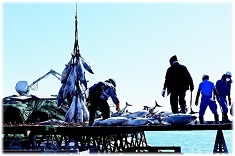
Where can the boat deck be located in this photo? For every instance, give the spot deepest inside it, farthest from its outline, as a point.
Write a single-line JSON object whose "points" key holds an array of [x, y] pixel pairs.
{"points": [[105, 139]]}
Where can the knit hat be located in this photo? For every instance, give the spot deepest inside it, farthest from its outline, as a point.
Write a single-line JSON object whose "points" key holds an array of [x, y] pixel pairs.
{"points": [[173, 59]]}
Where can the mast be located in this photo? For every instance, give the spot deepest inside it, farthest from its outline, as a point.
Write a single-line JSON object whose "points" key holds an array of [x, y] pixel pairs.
{"points": [[76, 51]]}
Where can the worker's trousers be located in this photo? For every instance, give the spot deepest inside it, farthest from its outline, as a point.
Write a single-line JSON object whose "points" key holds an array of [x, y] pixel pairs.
{"points": [[224, 105], [178, 98], [205, 102], [98, 104]]}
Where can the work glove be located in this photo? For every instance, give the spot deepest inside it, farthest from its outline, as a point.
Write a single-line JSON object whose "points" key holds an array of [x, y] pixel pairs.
{"points": [[118, 108], [163, 93], [229, 101]]}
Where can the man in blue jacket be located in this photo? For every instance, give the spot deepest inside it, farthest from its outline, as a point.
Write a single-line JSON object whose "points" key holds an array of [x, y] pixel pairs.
{"points": [[208, 90], [98, 96], [223, 87], [177, 82]]}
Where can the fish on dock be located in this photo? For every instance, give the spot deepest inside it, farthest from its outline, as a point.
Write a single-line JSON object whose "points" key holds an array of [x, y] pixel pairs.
{"points": [[162, 114], [141, 113], [179, 119], [113, 121], [121, 112], [138, 121]]}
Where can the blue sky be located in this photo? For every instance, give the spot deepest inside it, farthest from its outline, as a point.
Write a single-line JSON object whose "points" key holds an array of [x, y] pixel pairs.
{"points": [[130, 42]]}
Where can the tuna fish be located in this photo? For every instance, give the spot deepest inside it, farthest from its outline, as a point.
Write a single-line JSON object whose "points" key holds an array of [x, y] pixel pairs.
{"points": [[121, 112], [81, 72], [85, 110], [113, 121], [97, 121], [79, 111], [179, 119], [86, 66], [151, 111], [70, 84], [162, 114], [70, 114], [157, 122], [157, 105], [64, 108], [60, 97], [138, 121], [141, 113], [66, 72]]}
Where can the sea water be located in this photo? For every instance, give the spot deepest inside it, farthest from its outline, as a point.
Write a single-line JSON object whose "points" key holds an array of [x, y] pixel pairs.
{"points": [[191, 142]]}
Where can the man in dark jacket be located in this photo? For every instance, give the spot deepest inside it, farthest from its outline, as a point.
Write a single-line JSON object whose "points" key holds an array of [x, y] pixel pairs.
{"points": [[177, 82], [98, 96]]}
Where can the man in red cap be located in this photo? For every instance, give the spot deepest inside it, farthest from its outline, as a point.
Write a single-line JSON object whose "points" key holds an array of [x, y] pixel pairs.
{"points": [[177, 82]]}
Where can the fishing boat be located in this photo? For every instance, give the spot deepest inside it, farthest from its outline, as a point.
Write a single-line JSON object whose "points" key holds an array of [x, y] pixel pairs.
{"points": [[51, 124]]}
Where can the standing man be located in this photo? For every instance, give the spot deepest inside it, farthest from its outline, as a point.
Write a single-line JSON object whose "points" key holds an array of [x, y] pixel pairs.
{"points": [[207, 89], [177, 82], [98, 96], [223, 87]]}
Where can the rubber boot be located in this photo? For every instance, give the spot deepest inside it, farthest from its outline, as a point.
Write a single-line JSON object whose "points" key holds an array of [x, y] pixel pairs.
{"points": [[90, 123], [201, 119], [216, 116], [225, 118]]}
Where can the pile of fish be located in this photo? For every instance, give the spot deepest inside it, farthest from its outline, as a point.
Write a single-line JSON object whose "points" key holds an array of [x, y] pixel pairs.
{"points": [[74, 85], [123, 118], [145, 117]]}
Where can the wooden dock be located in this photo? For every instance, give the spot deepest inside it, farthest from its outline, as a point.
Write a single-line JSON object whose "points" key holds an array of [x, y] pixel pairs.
{"points": [[103, 139]]}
